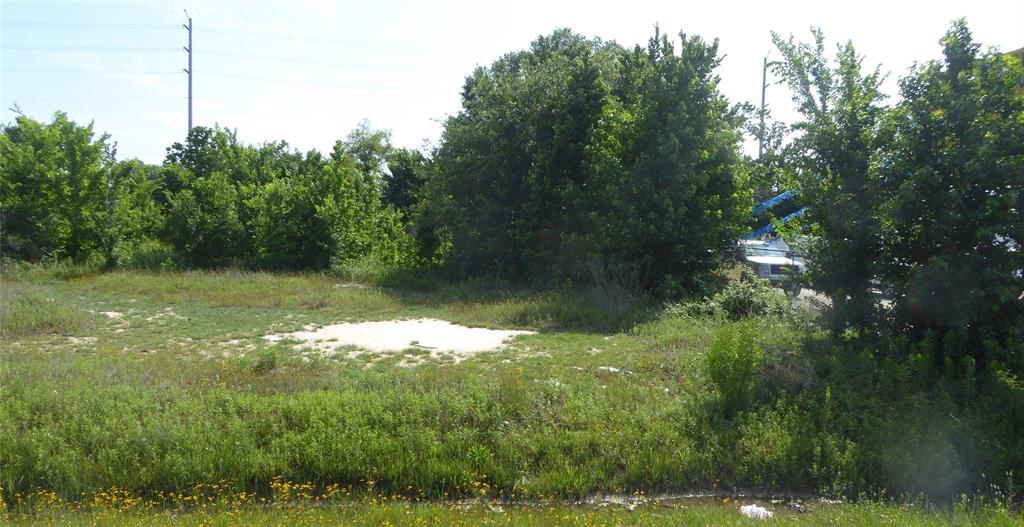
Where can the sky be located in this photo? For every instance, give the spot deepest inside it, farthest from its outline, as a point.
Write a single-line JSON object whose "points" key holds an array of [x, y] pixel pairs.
{"points": [[308, 71]]}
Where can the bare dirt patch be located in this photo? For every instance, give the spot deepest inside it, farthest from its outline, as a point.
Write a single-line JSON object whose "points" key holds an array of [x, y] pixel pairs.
{"points": [[436, 338]]}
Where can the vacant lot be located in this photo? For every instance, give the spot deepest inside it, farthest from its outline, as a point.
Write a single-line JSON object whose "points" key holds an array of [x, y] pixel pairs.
{"points": [[128, 391]]}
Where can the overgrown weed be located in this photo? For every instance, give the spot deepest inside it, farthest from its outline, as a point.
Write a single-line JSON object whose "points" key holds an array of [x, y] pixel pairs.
{"points": [[25, 312]]}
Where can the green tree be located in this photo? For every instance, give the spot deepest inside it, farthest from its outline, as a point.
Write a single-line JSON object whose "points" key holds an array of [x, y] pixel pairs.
{"points": [[203, 223], [370, 149], [359, 223], [577, 153], [407, 169], [208, 150], [841, 107], [268, 205], [54, 180], [133, 217], [285, 229], [953, 172], [322, 215], [680, 205]]}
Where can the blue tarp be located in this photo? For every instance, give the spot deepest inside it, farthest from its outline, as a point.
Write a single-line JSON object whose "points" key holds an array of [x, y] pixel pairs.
{"points": [[757, 233], [771, 202]]}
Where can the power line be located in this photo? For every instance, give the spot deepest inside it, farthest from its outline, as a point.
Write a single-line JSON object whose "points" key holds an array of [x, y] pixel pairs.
{"points": [[20, 69], [322, 40], [362, 87], [87, 48], [115, 3], [234, 54], [239, 76], [298, 60], [84, 25], [235, 32], [56, 99]]}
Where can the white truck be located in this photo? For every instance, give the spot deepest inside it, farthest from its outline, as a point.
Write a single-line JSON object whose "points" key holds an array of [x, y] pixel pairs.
{"points": [[774, 260]]}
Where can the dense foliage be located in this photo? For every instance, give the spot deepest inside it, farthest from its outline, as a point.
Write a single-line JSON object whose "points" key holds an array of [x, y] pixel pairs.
{"points": [[953, 214], [62, 194], [743, 298], [214, 202], [577, 153], [922, 200], [841, 107]]}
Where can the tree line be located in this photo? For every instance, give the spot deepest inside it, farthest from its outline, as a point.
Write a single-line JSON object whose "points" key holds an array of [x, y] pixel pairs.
{"points": [[579, 158], [214, 202]]}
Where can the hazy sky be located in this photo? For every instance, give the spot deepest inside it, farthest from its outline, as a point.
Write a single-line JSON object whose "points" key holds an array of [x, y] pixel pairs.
{"points": [[308, 71]]}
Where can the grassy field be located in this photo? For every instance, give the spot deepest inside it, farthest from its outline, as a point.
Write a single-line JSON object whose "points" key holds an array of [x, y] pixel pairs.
{"points": [[377, 512], [159, 384]]}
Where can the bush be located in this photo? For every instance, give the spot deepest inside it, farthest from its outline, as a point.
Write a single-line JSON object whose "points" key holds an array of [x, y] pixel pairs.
{"points": [[152, 255], [266, 361], [286, 231], [50, 269], [730, 363], [203, 222], [746, 297], [617, 286]]}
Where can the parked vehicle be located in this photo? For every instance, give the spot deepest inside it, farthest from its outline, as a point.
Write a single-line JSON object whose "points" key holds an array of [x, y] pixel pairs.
{"points": [[774, 260]]}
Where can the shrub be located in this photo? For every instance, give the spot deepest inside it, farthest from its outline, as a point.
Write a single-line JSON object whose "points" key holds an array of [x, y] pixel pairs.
{"points": [[287, 232], [617, 285], [266, 361], [730, 363], [747, 297], [146, 254], [203, 222]]}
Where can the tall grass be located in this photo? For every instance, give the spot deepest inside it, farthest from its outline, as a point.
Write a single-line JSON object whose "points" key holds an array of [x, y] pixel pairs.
{"points": [[26, 313], [568, 413]]}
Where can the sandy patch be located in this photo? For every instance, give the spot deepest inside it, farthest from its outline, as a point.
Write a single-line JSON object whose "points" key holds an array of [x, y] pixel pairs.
{"points": [[164, 313], [435, 338]]}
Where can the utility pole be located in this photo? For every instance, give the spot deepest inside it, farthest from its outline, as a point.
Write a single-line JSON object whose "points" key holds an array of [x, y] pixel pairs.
{"points": [[189, 70], [764, 88]]}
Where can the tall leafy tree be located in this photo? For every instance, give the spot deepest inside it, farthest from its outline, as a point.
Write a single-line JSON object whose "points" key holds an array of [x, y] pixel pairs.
{"points": [[54, 179], [680, 204], [841, 107], [208, 150], [203, 222], [133, 216], [370, 149], [359, 223], [953, 172], [407, 169], [578, 152]]}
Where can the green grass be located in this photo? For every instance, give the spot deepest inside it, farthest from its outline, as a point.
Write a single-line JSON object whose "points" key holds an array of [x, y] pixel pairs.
{"points": [[25, 311], [164, 382], [382, 512]]}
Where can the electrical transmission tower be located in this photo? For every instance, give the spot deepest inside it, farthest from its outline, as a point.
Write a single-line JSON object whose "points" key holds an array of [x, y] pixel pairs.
{"points": [[189, 70]]}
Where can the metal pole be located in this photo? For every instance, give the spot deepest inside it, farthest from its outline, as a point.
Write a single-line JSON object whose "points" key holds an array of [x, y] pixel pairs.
{"points": [[189, 70], [764, 87]]}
